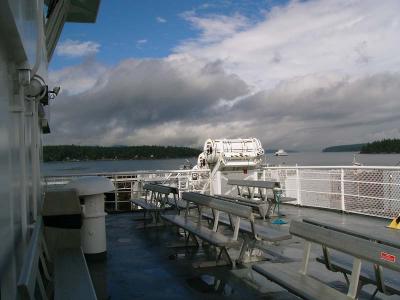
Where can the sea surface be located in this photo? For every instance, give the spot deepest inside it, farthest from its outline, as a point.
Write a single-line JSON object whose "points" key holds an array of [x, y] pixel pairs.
{"points": [[300, 158]]}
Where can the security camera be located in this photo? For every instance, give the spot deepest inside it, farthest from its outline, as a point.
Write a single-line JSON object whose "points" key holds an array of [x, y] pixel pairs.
{"points": [[56, 90]]}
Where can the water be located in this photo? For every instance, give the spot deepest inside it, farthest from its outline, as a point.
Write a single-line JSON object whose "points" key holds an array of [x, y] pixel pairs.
{"points": [[301, 159], [333, 159]]}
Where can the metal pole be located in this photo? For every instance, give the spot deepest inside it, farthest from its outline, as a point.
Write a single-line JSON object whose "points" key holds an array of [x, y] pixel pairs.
{"points": [[343, 207], [115, 193], [298, 186]]}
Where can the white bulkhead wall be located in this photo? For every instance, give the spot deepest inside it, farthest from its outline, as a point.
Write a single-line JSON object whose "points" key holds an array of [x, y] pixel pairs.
{"points": [[20, 141], [21, 51]]}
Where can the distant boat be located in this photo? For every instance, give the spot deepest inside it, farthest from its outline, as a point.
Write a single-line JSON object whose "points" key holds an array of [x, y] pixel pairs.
{"points": [[355, 162], [281, 152]]}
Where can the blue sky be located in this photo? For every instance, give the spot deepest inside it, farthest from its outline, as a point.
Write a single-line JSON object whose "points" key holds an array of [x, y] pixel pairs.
{"points": [[295, 74], [149, 29]]}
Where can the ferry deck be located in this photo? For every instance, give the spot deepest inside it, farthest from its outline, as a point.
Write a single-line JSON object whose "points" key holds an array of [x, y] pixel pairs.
{"points": [[140, 263]]}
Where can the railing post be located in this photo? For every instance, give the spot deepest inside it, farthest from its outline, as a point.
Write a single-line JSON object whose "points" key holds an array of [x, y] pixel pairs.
{"points": [[298, 187], [342, 207], [115, 193], [132, 190]]}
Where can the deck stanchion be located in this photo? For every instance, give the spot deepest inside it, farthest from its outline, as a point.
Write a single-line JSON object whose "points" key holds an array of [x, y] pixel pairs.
{"points": [[343, 207], [115, 193], [298, 186]]}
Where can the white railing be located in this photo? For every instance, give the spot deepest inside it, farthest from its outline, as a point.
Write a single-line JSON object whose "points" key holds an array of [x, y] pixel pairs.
{"points": [[373, 191], [129, 185]]}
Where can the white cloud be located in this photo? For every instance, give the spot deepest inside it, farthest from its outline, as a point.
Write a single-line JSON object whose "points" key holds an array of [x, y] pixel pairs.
{"points": [[213, 28], [342, 37], [161, 20], [78, 79], [140, 43], [74, 48], [309, 75]]}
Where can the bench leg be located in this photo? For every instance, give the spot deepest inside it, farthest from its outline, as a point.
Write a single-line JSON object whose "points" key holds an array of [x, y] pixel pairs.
{"points": [[193, 238], [248, 245], [185, 243], [42, 289], [243, 249], [227, 256], [355, 276], [217, 262], [268, 214], [346, 278], [263, 210], [374, 294]]}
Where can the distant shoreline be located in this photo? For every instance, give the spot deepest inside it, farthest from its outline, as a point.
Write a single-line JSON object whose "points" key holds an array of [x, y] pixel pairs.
{"points": [[386, 146], [127, 159], [74, 153]]}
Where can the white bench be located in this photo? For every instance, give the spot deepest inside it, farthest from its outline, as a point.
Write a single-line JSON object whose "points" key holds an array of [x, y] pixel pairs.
{"points": [[195, 227], [157, 202], [361, 250], [70, 278], [386, 281], [258, 194]]}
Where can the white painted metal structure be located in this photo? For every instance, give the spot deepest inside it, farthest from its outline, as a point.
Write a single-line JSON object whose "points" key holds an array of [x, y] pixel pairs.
{"points": [[234, 153], [224, 155], [27, 38], [371, 191], [91, 190], [129, 185]]}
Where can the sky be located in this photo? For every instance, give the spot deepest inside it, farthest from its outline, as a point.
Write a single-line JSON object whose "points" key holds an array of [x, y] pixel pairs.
{"points": [[299, 75]]}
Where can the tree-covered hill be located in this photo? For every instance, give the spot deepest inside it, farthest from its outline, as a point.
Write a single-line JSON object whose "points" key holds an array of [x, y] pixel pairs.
{"points": [[73, 152], [384, 146], [344, 148]]}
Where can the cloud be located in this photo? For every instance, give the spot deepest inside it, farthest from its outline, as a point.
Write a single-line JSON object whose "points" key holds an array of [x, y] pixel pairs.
{"points": [[344, 37], [137, 95], [161, 20], [213, 28], [140, 43], [80, 78], [309, 75], [74, 48]]}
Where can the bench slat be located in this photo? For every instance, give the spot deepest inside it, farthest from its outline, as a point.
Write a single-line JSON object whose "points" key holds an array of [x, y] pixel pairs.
{"points": [[146, 205], [265, 233], [241, 200], [215, 238], [383, 255], [68, 286], [161, 188], [254, 183], [301, 285], [180, 203], [344, 263], [221, 205], [393, 241]]}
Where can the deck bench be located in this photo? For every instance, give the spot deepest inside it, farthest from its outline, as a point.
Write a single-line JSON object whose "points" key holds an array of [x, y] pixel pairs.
{"points": [[71, 276], [157, 202], [257, 194], [195, 227], [361, 250], [264, 231], [386, 281], [69, 279]]}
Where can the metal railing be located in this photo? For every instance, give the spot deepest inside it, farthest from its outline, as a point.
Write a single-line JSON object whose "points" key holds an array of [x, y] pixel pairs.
{"points": [[373, 191], [129, 185]]}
